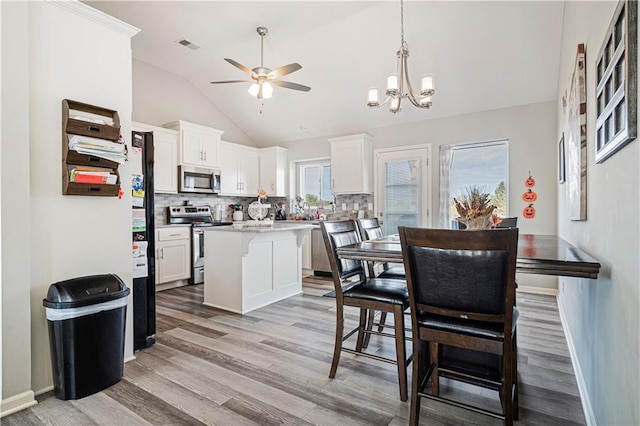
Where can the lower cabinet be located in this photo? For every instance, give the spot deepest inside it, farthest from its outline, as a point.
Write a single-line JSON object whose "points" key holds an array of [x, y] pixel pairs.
{"points": [[173, 254]]}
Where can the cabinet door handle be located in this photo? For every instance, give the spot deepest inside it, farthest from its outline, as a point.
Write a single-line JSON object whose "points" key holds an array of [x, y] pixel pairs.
{"points": [[334, 183], [162, 253], [174, 235], [272, 186], [205, 155]]}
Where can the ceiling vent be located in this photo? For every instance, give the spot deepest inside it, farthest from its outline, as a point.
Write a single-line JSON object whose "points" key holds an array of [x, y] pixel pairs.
{"points": [[189, 44]]}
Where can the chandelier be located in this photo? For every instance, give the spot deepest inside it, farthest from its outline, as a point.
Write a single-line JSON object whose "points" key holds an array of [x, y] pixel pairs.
{"points": [[396, 82]]}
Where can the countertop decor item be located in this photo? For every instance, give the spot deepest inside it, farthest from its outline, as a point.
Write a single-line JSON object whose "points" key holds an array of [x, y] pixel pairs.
{"points": [[395, 82]]}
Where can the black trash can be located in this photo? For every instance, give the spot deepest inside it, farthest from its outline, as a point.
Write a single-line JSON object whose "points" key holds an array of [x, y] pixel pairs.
{"points": [[86, 317]]}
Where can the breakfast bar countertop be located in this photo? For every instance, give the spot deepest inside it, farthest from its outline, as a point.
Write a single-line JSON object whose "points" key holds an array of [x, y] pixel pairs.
{"points": [[250, 226]]}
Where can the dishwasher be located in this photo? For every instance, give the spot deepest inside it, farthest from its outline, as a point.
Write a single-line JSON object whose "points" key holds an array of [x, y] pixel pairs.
{"points": [[319, 259]]}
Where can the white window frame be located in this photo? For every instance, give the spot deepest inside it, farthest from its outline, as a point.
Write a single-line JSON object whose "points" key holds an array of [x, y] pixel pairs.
{"points": [[469, 145], [300, 183]]}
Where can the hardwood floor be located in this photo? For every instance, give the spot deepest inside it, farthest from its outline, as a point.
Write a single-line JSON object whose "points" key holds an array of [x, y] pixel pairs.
{"points": [[271, 366]]}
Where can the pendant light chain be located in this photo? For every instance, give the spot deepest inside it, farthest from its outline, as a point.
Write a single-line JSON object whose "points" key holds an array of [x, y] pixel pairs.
{"points": [[402, 43]]}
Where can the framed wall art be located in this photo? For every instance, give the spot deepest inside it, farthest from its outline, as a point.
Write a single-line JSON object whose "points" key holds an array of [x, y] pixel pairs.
{"points": [[561, 161], [616, 77], [575, 138]]}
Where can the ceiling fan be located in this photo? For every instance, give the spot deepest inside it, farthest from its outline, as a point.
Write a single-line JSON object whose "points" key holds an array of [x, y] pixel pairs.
{"points": [[262, 77]]}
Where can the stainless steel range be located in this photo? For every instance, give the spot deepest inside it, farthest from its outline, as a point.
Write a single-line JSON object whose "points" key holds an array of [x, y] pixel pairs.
{"points": [[198, 217]]}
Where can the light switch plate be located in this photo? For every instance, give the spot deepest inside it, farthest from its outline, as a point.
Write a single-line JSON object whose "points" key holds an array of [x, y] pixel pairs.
{"points": [[356, 206], [344, 206], [369, 206]]}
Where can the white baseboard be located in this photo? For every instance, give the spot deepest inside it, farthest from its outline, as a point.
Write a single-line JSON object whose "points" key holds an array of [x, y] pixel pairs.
{"points": [[582, 386], [538, 290], [44, 390], [131, 358], [16, 403]]}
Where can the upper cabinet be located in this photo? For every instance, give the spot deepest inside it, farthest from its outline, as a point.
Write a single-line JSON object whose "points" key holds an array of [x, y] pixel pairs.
{"points": [[273, 171], [165, 150], [198, 145], [239, 169], [351, 164]]}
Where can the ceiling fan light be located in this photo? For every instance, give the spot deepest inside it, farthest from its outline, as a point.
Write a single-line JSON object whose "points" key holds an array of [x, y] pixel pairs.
{"points": [[254, 89], [267, 90]]}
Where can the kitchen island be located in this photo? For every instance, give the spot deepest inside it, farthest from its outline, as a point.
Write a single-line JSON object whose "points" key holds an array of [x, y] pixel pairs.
{"points": [[249, 266]]}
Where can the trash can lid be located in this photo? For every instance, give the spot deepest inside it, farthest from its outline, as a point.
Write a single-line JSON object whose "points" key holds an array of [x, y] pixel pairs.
{"points": [[83, 291]]}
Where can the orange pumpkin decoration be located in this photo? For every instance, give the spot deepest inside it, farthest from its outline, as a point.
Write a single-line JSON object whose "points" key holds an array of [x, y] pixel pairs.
{"points": [[529, 196], [529, 212], [530, 182]]}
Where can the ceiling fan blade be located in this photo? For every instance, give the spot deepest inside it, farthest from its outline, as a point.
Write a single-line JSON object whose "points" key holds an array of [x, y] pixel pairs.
{"points": [[231, 81], [281, 71], [289, 85], [240, 66]]}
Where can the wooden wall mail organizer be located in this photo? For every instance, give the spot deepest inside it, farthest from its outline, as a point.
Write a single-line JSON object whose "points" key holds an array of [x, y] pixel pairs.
{"points": [[70, 158]]}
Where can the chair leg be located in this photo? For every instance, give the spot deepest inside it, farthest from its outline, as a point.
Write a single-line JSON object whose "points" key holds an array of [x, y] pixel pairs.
{"points": [[433, 358], [507, 388], [361, 328], [516, 404], [337, 346], [370, 318], [401, 355], [383, 319], [420, 359]]}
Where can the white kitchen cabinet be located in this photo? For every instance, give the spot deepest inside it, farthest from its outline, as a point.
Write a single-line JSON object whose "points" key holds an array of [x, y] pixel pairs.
{"points": [[165, 146], [352, 164], [273, 171], [173, 254], [306, 254], [198, 144], [239, 169]]}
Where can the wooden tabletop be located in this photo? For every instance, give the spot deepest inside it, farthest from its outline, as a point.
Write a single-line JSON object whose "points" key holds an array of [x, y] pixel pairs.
{"points": [[537, 254]]}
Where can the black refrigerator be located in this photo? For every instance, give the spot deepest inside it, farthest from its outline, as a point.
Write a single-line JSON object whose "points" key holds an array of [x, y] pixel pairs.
{"points": [[143, 228]]}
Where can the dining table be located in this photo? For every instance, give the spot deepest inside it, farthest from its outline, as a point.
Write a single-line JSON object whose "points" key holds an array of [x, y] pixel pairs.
{"points": [[537, 254]]}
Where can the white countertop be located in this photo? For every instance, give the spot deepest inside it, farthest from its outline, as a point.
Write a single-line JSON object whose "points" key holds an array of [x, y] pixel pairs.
{"points": [[174, 225], [277, 226]]}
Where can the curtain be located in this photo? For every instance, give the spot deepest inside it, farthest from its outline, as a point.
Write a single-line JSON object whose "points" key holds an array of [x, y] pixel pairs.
{"points": [[446, 159]]}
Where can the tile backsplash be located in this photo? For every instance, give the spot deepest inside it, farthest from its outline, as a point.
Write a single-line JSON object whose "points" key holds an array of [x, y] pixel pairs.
{"points": [[162, 201]]}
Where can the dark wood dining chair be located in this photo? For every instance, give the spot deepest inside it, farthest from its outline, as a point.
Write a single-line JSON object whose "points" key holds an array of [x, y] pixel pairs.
{"points": [[370, 229], [508, 222], [461, 294], [354, 288]]}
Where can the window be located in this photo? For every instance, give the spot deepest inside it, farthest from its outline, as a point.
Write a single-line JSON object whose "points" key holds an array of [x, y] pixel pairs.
{"points": [[464, 167], [315, 182]]}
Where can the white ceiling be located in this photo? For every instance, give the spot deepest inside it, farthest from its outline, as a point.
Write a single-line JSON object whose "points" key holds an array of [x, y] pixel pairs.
{"points": [[484, 55]]}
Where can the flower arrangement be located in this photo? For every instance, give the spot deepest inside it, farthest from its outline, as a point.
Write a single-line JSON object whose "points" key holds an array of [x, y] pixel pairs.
{"points": [[475, 208], [262, 195], [235, 207]]}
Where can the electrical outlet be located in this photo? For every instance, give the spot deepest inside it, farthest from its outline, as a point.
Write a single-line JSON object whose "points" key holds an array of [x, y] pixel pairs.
{"points": [[369, 206], [344, 206], [356, 206]]}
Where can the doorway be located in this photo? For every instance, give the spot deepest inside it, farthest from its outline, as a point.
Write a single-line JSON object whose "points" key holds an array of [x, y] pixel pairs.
{"points": [[402, 180]]}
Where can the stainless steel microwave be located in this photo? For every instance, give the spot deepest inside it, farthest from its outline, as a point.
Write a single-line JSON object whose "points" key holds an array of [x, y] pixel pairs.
{"points": [[198, 179]]}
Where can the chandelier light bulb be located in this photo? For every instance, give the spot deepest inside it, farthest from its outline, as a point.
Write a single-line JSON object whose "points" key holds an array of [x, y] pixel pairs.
{"points": [[395, 105], [427, 85], [392, 83], [373, 99]]}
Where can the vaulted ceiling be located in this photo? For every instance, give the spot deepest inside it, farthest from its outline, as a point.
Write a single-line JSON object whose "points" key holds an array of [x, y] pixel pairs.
{"points": [[484, 55]]}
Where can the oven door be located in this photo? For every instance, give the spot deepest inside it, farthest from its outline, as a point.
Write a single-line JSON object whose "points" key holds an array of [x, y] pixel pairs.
{"points": [[199, 179]]}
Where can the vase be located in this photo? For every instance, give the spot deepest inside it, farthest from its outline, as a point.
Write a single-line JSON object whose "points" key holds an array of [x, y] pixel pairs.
{"points": [[481, 222], [238, 215]]}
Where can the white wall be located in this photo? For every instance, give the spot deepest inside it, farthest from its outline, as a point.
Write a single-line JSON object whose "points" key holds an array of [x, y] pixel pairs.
{"points": [[16, 209], [531, 131], [160, 97], [72, 56], [602, 316]]}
